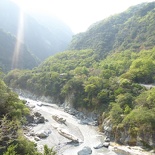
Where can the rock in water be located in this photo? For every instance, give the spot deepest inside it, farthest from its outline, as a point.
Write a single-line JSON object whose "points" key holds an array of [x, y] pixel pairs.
{"points": [[30, 119], [42, 134], [85, 151], [40, 120], [99, 146], [68, 135], [106, 144], [58, 119], [37, 114]]}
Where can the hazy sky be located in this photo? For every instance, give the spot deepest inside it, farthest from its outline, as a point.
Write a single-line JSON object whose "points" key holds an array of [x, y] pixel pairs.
{"points": [[79, 14]]}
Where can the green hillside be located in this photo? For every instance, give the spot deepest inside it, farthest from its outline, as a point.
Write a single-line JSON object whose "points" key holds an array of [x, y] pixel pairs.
{"points": [[11, 59], [110, 86], [133, 29], [13, 112]]}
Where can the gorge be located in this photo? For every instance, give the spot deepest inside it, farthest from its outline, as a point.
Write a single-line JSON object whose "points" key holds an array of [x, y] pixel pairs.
{"points": [[89, 135], [102, 80]]}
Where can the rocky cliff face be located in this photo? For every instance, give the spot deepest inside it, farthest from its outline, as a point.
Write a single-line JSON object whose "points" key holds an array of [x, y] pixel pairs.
{"points": [[122, 135], [69, 99]]}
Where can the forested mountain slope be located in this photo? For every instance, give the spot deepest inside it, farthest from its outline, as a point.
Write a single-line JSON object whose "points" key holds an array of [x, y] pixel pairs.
{"points": [[133, 29], [110, 86], [107, 87], [13, 116], [43, 42], [11, 57]]}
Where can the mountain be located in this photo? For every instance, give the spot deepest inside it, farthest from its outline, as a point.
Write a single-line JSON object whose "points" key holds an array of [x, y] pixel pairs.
{"points": [[11, 57], [57, 27], [108, 72], [133, 29], [41, 40]]}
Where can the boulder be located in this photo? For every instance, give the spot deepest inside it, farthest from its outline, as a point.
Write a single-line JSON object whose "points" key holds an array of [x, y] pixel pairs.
{"points": [[94, 123], [106, 144], [30, 118], [99, 146], [71, 111], [107, 139], [37, 114], [68, 135], [85, 151], [125, 150], [80, 116], [42, 134], [32, 134], [40, 120], [36, 138], [39, 104], [84, 121], [59, 119]]}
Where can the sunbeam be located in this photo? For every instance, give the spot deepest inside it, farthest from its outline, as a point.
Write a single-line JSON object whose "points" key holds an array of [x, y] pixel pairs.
{"points": [[19, 41]]}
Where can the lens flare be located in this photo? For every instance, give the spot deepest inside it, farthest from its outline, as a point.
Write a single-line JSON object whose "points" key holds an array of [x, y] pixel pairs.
{"points": [[19, 41]]}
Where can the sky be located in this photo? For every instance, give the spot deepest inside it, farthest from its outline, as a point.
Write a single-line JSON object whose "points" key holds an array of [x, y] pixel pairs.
{"points": [[78, 14]]}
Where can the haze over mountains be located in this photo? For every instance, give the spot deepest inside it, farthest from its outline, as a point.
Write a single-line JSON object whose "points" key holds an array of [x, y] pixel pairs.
{"points": [[41, 38], [8, 54]]}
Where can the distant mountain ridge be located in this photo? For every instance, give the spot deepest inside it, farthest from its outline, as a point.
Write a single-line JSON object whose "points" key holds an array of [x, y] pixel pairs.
{"points": [[41, 41], [11, 59], [133, 29]]}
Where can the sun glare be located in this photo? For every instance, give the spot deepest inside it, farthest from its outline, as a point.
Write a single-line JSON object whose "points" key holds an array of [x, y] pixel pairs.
{"points": [[78, 14], [20, 37]]}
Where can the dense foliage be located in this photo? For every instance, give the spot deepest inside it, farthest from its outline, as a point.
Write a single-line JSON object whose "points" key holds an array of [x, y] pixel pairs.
{"points": [[12, 117], [133, 29], [110, 85]]}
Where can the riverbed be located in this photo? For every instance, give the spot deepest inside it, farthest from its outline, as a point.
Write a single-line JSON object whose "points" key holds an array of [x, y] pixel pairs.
{"points": [[88, 135]]}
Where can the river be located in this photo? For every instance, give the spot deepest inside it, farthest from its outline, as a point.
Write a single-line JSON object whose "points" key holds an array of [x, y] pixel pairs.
{"points": [[88, 135]]}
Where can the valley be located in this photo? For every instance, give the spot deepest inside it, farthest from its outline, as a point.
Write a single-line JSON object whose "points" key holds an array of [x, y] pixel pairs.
{"points": [[92, 92], [88, 135]]}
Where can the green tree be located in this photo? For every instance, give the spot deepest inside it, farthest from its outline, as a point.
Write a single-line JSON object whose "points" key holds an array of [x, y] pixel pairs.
{"points": [[11, 150], [115, 113], [142, 70], [48, 151]]}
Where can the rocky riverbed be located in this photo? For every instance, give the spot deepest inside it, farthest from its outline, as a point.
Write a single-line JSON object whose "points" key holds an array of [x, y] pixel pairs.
{"points": [[70, 132], [51, 125]]}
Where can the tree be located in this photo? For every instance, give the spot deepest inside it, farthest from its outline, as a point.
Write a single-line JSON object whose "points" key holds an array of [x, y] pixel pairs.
{"points": [[11, 150], [142, 70], [48, 151], [115, 113]]}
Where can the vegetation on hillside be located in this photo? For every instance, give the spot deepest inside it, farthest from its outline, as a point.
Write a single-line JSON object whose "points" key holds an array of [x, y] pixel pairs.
{"points": [[112, 85], [133, 29], [12, 117]]}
